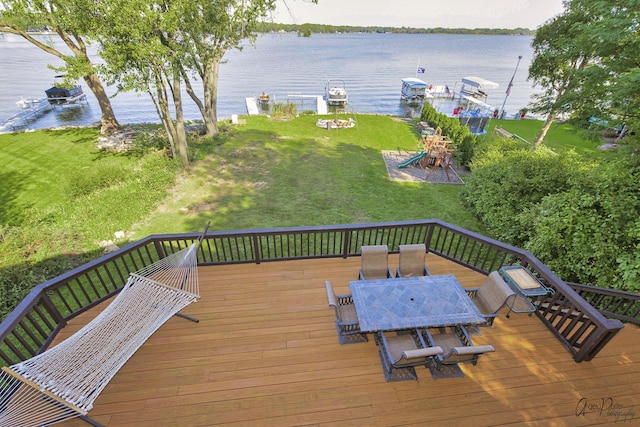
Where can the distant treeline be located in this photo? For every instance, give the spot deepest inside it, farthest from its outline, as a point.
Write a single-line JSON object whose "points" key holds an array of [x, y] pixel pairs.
{"points": [[308, 29]]}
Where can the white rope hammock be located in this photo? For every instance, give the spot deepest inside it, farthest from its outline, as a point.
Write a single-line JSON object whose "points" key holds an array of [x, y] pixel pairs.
{"points": [[64, 381]]}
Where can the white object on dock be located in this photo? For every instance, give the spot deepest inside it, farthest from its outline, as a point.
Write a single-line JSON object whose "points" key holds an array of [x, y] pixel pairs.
{"points": [[252, 106], [321, 105]]}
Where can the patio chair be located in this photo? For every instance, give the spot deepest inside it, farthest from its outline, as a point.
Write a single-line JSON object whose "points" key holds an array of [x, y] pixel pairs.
{"points": [[457, 348], [374, 263], [491, 296], [400, 353], [347, 324], [411, 261]]}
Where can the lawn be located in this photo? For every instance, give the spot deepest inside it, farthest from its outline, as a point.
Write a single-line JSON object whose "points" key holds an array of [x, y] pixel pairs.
{"points": [[37, 166], [560, 137], [264, 173], [62, 195], [293, 173]]}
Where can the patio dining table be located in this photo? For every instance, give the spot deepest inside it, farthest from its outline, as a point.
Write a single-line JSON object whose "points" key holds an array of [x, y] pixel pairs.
{"points": [[413, 302]]}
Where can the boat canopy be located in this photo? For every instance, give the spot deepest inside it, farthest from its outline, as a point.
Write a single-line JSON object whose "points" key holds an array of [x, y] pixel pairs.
{"points": [[479, 83], [412, 81], [477, 103]]}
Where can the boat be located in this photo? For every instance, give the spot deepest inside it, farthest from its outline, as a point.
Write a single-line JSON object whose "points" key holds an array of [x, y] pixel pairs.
{"points": [[58, 95], [476, 87], [264, 99], [336, 92], [414, 89], [469, 104], [474, 114]]}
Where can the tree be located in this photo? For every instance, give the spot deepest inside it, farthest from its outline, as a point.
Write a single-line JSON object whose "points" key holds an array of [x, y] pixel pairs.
{"points": [[70, 20], [611, 83], [140, 48], [158, 46], [588, 60], [207, 31], [556, 67]]}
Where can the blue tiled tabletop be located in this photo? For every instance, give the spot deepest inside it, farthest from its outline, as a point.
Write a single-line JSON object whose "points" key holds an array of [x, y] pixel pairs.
{"points": [[412, 302]]}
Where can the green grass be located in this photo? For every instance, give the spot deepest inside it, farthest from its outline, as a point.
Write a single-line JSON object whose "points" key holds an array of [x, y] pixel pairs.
{"points": [[60, 194], [293, 173], [560, 137], [36, 167]]}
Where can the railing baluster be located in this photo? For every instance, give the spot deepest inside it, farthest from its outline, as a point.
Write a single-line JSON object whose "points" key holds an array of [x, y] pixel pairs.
{"points": [[582, 328]]}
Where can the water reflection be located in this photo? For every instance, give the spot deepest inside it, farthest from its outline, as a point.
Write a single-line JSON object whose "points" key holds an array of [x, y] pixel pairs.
{"points": [[72, 114]]}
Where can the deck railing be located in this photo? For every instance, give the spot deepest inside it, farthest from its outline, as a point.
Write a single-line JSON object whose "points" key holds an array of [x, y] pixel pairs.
{"points": [[30, 328], [612, 303]]}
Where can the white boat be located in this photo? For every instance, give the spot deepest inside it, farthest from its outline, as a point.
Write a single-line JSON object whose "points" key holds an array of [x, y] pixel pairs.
{"points": [[474, 114], [414, 90], [476, 87], [469, 105], [336, 92]]}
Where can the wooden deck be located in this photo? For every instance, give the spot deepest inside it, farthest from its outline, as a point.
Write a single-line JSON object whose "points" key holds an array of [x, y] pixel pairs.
{"points": [[265, 353]]}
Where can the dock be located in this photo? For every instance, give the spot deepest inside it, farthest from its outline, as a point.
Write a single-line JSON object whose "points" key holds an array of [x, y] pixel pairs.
{"points": [[321, 105], [31, 110], [252, 106]]}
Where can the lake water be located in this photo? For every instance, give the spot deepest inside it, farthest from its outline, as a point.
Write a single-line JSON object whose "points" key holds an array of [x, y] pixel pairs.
{"points": [[372, 66]]}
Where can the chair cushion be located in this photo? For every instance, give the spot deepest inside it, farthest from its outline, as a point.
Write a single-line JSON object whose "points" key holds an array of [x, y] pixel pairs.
{"points": [[493, 294], [374, 262], [447, 341], [411, 260], [400, 343]]}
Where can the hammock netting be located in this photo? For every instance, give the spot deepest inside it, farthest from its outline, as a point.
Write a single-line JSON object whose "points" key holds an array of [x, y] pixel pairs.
{"points": [[64, 381]]}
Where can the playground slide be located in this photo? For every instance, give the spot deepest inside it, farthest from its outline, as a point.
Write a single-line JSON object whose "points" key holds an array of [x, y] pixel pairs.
{"points": [[414, 159]]}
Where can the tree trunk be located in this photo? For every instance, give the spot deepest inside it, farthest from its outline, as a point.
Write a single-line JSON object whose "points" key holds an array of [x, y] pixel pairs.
{"points": [[181, 134], [162, 107], [210, 85], [192, 94], [108, 122], [543, 132]]}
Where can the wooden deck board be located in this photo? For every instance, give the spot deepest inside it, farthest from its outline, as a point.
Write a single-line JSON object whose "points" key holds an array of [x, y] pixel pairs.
{"points": [[265, 353]]}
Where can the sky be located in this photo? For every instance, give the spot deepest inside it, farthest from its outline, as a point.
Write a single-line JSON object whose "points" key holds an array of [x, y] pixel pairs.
{"points": [[420, 13]]}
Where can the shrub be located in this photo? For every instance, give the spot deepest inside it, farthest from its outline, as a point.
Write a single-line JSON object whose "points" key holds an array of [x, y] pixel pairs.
{"points": [[591, 232], [150, 139], [466, 149], [282, 110], [578, 216], [507, 179]]}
